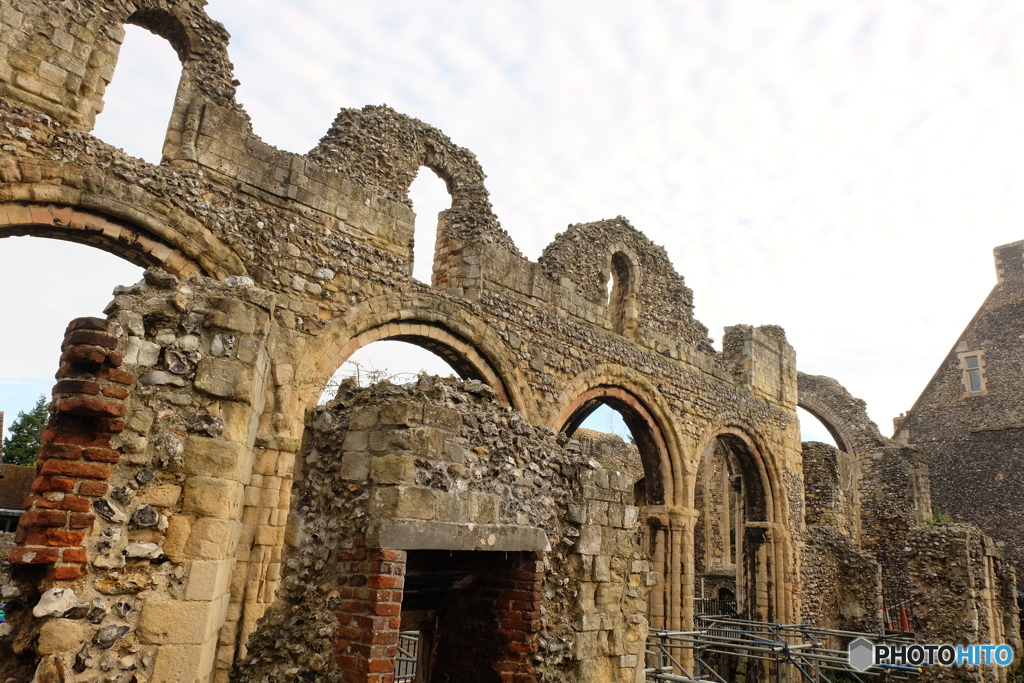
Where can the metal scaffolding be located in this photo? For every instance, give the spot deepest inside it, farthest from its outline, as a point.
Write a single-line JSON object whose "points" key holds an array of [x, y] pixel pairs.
{"points": [[793, 653]]}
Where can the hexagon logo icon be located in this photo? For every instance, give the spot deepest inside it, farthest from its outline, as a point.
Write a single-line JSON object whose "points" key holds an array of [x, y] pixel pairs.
{"points": [[862, 654]]}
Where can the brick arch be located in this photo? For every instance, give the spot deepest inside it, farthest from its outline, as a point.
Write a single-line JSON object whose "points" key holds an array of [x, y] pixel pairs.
{"points": [[430, 320], [625, 391], [66, 224], [180, 246]]}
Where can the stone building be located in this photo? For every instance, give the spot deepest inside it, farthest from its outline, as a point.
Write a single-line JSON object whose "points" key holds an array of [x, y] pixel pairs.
{"points": [[196, 516], [970, 417]]}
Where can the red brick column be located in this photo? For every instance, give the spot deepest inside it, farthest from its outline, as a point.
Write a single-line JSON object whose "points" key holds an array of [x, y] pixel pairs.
{"points": [[370, 614], [518, 611], [75, 459]]}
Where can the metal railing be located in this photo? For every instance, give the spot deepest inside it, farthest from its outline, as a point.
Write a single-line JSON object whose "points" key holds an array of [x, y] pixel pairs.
{"points": [[795, 653], [408, 655]]}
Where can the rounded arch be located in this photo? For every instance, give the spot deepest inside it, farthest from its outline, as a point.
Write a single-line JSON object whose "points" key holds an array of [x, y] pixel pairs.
{"points": [[459, 353], [624, 271], [177, 243], [844, 416], [763, 546], [648, 418], [433, 322]]}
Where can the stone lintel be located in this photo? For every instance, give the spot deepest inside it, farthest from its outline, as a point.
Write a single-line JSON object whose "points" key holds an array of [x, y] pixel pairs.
{"points": [[406, 534]]}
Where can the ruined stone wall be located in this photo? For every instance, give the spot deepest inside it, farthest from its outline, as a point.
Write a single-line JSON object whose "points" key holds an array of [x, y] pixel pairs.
{"points": [[610, 451], [963, 592], [841, 584], [973, 439], [389, 470], [286, 265], [6, 543]]}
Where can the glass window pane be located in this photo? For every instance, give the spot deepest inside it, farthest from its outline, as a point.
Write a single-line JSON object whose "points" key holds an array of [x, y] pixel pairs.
{"points": [[972, 361], [974, 376]]}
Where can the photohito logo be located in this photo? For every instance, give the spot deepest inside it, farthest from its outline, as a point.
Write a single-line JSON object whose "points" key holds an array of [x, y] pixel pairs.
{"points": [[864, 654]]}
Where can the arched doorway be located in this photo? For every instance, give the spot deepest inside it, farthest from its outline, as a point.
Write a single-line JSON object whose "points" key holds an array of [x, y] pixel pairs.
{"points": [[739, 540], [665, 536]]}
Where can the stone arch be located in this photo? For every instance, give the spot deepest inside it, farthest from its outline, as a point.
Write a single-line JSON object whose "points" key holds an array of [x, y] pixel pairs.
{"points": [[459, 353], [130, 243], [431, 321], [844, 416], [667, 526], [622, 387], [764, 549], [649, 439], [180, 245]]}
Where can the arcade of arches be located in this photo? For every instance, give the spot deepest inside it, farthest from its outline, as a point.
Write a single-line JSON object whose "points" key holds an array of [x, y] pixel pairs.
{"points": [[191, 487]]}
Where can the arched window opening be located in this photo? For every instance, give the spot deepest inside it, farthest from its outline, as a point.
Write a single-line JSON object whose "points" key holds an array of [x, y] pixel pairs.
{"points": [[139, 100], [605, 437], [429, 196], [813, 429], [396, 361], [622, 297], [620, 426], [37, 309]]}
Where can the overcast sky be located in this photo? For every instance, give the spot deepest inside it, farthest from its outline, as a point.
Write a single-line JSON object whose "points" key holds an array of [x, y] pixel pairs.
{"points": [[840, 168]]}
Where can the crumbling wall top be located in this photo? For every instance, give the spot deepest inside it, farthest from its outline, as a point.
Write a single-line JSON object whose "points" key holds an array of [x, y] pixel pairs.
{"points": [[583, 254]]}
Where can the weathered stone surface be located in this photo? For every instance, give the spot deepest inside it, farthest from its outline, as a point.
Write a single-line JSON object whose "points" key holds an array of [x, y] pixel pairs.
{"points": [[178, 418]]}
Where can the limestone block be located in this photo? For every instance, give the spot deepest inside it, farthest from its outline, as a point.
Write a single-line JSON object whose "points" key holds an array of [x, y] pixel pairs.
{"points": [[404, 414], [184, 664], [179, 622], [226, 378], [208, 579], [179, 528], [61, 635], [239, 422], [393, 469], [483, 508], [161, 495], [355, 466], [452, 506], [216, 458], [589, 541], [213, 539], [213, 497], [363, 418]]}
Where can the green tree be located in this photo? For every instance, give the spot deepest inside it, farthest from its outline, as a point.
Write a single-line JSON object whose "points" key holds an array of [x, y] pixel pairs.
{"points": [[21, 446]]}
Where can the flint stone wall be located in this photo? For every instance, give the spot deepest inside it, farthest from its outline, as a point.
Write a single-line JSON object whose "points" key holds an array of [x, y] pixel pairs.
{"points": [[841, 585], [964, 592], [439, 464]]}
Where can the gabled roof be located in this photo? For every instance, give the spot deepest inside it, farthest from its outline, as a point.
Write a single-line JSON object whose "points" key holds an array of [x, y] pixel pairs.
{"points": [[15, 485]]}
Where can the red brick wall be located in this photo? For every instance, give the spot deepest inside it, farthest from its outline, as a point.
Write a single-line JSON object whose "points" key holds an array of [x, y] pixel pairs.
{"points": [[369, 614], [75, 459]]}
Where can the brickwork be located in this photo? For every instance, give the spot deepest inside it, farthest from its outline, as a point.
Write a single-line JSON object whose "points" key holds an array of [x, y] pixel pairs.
{"points": [[370, 604], [75, 460]]}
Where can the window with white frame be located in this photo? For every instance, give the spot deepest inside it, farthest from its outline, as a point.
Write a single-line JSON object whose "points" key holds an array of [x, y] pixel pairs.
{"points": [[972, 364]]}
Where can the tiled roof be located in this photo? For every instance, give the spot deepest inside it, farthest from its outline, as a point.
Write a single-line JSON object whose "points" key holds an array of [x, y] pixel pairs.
{"points": [[15, 485]]}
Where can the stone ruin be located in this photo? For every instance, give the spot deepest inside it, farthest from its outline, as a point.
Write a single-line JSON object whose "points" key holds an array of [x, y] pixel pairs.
{"points": [[196, 516]]}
